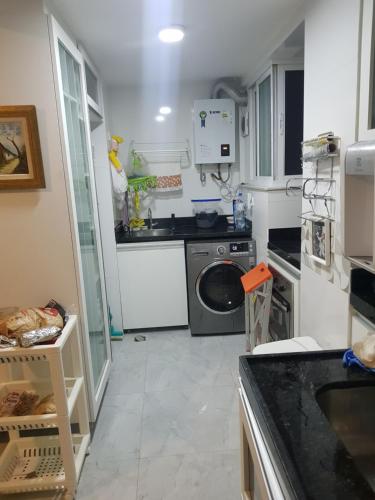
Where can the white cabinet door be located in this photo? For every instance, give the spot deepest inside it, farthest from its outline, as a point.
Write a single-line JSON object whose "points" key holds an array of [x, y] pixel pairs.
{"points": [[153, 284]]}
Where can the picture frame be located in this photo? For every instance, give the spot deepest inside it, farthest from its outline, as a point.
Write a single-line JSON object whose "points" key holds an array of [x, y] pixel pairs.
{"points": [[21, 165], [320, 245]]}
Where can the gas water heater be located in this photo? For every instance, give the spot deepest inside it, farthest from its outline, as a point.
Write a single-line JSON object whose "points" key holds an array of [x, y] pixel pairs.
{"points": [[214, 131]]}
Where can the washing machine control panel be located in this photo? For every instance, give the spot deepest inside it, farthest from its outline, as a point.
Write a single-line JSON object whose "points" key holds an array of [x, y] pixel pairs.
{"points": [[221, 250], [239, 248]]}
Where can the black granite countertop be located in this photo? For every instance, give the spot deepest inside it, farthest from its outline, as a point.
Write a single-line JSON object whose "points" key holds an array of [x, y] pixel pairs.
{"points": [[185, 228], [286, 243], [281, 389]]}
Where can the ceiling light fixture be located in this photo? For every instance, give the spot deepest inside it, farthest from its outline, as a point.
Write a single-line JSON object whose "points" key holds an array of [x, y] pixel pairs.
{"points": [[165, 110], [159, 118], [172, 34]]}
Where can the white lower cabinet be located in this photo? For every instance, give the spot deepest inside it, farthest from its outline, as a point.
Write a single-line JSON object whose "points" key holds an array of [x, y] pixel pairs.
{"points": [[153, 284], [259, 475]]}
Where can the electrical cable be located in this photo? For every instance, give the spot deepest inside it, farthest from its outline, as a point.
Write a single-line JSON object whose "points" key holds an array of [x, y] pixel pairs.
{"points": [[219, 176], [227, 191], [228, 176]]}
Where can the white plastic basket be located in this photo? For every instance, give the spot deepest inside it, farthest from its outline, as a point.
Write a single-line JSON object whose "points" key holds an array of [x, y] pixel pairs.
{"points": [[42, 388], [33, 464]]}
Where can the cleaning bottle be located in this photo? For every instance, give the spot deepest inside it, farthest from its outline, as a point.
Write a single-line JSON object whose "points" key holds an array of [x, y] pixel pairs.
{"points": [[239, 212]]}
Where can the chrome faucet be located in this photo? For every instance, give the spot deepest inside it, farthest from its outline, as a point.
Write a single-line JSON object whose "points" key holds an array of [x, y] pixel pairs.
{"points": [[149, 218]]}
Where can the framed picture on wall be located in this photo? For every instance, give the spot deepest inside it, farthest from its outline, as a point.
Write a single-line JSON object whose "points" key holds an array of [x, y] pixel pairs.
{"points": [[21, 164], [320, 230]]}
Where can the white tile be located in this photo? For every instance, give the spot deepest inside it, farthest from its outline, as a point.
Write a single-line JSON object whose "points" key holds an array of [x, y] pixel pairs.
{"points": [[190, 421], [172, 402], [127, 375], [187, 369], [205, 476], [118, 431], [108, 479]]}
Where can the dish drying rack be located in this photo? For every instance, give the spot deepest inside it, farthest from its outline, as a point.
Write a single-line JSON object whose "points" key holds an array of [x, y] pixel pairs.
{"points": [[317, 188], [162, 152], [45, 462]]}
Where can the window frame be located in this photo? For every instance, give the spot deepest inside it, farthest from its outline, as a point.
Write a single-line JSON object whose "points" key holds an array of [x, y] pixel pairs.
{"points": [[279, 125], [269, 73]]}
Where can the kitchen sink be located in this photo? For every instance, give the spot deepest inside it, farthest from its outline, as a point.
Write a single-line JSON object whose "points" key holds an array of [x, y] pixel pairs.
{"points": [[145, 233], [350, 411]]}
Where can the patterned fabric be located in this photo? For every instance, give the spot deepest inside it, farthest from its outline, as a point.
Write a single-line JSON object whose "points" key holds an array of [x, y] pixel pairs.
{"points": [[169, 182]]}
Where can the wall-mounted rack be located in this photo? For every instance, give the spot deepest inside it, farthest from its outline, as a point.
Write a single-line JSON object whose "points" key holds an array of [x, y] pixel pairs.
{"points": [[292, 189], [318, 196], [322, 147], [162, 152], [309, 214]]}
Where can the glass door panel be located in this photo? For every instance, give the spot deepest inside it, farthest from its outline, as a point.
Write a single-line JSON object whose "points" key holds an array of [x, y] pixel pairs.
{"points": [[78, 151], [264, 129], [219, 287]]}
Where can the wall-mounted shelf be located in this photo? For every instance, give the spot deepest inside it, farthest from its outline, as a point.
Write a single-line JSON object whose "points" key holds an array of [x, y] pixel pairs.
{"points": [[322, 147], [162, 152]]}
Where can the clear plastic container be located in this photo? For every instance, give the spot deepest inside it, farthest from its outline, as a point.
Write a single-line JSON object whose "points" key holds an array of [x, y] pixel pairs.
{"points": [[239, 212], [206, 211], [207, 205]]}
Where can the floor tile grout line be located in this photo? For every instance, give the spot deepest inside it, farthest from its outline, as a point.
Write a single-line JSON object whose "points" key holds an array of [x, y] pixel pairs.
{"points": [[141, 426], [191, 454]]}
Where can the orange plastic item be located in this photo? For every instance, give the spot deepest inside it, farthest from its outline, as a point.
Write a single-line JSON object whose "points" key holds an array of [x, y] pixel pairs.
{"points": [[256, 277]]}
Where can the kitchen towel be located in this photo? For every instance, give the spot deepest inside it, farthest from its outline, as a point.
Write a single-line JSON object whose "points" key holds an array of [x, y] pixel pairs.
{"points": [[168, 175]]}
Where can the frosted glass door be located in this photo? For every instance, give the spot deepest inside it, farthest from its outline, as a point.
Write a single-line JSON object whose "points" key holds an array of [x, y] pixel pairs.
{"points": [[78, 152]]}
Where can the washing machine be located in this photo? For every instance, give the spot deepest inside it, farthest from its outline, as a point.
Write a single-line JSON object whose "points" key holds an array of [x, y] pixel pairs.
{"points": [[215, 293]]}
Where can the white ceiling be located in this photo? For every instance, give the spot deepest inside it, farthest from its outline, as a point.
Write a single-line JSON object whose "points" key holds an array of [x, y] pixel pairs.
{"points": [[223, 37]]}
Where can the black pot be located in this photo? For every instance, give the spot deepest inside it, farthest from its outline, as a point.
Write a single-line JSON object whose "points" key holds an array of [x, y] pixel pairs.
{"points": [[205, 220]]}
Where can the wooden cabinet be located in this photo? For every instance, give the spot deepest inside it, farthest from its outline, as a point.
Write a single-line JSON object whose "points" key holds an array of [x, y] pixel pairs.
{"points": [[153, 284]]}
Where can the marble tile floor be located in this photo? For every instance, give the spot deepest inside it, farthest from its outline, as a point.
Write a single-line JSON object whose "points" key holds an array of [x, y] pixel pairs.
{"points": [[168, 428]]}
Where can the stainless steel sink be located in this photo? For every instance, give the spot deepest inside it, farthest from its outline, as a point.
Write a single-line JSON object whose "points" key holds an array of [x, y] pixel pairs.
{"points": [[351, 413], [146, 233]]}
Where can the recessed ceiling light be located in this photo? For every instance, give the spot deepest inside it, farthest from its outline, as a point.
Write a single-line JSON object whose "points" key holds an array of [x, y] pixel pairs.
{"points": [[159, 118], [165, 110], [172, 34]]}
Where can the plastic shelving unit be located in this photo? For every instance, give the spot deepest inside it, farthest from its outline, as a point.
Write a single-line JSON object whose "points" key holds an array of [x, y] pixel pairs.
{"points": [[38, 463]]}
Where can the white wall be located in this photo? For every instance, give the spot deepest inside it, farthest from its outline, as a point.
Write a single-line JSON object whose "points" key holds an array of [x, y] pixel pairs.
{"points": [[272, 209], [131, 112], [330, 104], [36, 251]]}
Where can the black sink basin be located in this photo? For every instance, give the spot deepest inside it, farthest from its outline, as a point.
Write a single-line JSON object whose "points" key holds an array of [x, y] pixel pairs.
{"points": [[350, 411]]}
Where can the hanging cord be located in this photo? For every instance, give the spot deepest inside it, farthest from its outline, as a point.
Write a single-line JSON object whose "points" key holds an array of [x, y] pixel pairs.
{"points": [[219, 176], [227, 191]]}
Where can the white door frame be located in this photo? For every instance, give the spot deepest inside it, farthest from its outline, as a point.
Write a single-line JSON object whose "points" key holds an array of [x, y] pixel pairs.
{"points": [[366, 72], [58, 34]]}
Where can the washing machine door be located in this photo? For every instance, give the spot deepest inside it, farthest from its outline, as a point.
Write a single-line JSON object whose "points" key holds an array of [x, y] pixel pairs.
{"points": [[219, 287]]}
